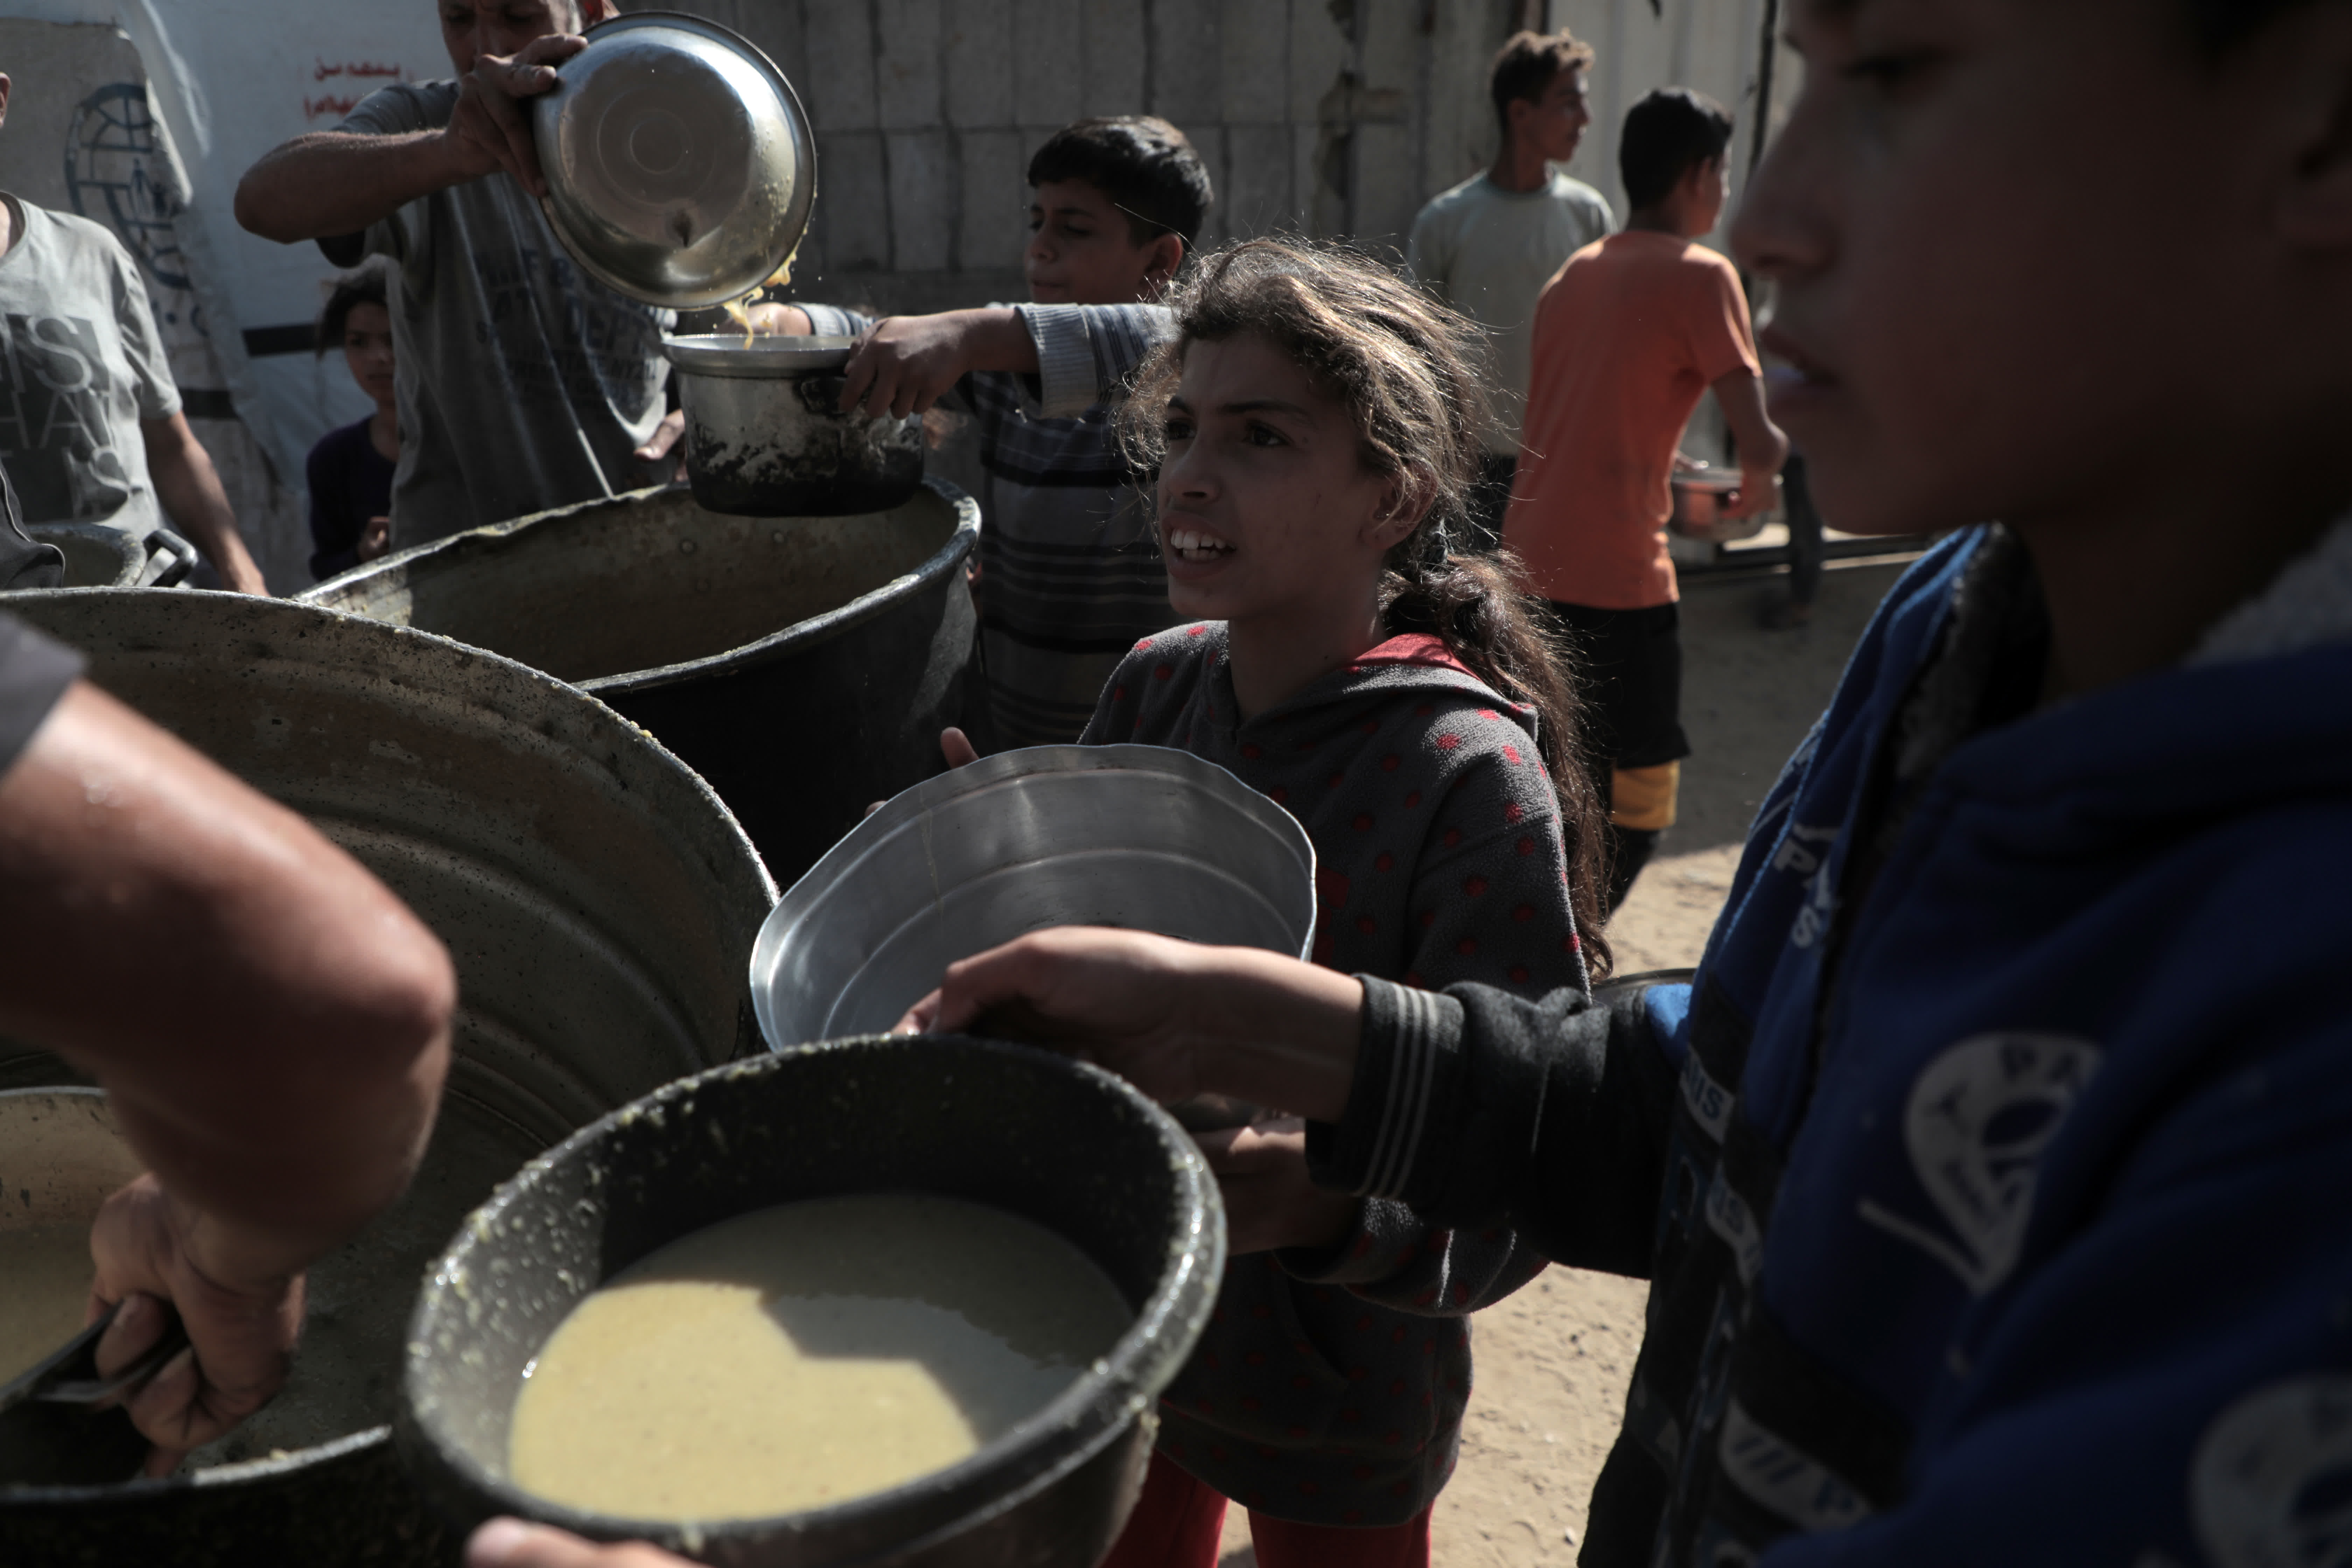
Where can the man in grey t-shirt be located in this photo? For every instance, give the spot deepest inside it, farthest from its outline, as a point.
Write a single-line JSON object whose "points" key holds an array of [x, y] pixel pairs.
{"points": [[90, 423], [523, 383]]}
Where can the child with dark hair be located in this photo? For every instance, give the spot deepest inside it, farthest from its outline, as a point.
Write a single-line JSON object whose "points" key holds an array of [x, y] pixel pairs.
{"points": [[1315, 427], [1989, 1179], [1488, 246], [1628, 337], [1068, 574], [351, 469]]}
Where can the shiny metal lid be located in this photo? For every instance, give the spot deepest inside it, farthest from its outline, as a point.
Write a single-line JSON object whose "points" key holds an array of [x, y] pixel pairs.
{"points": [[681, 168], [726, 353]]}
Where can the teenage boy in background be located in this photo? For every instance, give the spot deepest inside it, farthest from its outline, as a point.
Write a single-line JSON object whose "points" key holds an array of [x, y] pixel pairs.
{"points": [[1488, 246], [1070, 577], [1628, 337]]}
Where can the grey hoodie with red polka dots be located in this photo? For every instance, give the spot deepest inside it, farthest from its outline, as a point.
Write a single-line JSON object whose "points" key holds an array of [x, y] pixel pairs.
{"points": [[1331, 1384]]}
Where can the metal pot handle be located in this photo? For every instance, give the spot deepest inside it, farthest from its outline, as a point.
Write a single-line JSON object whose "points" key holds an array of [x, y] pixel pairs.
{"points": [[180, 558], [820, 395]]}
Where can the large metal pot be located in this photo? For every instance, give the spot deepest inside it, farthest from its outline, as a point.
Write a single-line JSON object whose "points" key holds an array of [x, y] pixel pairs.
{"points": [[803, 666], [766, 435], [601, 905], [1068, 1146]]}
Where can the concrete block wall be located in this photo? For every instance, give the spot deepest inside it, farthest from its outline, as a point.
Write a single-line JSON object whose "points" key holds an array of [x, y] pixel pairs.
{"points": [[1332, 117]]}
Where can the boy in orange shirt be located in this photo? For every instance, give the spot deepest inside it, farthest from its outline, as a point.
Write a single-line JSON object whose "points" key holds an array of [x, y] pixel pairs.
{"points": [[1628, 335]]}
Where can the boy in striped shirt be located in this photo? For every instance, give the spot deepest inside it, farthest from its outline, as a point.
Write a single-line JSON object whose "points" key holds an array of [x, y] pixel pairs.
{"points": [[1070, 576]]}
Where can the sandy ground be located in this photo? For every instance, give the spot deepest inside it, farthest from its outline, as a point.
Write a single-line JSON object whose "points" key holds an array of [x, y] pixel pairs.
{"points": [[1553, 1360]]}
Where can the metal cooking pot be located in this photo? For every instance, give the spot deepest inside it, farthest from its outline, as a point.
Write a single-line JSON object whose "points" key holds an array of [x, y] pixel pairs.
{"points": [[1141, 836], [1037, 1135], [803, 666], [600, 904], [681, 168], [766, 435]]}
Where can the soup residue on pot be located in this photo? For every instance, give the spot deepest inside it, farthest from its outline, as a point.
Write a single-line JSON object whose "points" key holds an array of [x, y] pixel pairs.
{"points": [[804, 1354], [45, 1277]]}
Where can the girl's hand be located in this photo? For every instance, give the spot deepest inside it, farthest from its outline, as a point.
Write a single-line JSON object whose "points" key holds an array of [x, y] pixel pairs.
{"points": [[1174, 1018], [512, 1543], [955, 746], [1270, 1201]]}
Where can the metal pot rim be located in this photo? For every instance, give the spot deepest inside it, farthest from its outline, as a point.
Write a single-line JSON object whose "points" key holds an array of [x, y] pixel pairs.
{"points": [[1183, 1297], [765, 356], [947, 558]]}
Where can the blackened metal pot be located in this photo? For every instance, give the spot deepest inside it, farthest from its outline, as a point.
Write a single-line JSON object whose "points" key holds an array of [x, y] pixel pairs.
{"points": [[1038, 1135], [765, 434], [803, 666], [600, 904]]}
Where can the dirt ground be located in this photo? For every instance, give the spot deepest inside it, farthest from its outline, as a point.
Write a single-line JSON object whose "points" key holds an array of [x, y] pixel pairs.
{"points": [[1553, 1360]]}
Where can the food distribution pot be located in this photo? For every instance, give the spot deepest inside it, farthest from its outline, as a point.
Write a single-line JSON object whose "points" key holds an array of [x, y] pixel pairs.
{"points": [[600, 904], [766, 435], [1038, 1135], [803, 666]]}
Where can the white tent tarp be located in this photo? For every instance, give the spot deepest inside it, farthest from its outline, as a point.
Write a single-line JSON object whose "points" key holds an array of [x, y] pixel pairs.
{"points": [[228, 79]]}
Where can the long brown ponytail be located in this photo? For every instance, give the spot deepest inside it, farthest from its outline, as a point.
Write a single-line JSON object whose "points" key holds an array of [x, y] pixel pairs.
{"points": [[1401, 364]]}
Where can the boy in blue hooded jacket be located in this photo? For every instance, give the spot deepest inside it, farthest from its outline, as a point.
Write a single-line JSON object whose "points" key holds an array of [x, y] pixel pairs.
{"points": [[1992, 1178]]}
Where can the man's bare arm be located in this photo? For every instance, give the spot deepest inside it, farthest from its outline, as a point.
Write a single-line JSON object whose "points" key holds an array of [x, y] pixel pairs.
{"points": [[277, 1064], [334, 182]]}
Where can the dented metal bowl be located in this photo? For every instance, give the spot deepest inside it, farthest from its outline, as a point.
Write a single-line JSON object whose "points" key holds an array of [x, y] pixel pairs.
{"points": [[1140, 837], [681, 167]]}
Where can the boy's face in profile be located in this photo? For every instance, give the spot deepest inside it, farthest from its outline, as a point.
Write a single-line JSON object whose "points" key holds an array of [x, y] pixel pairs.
{"points": [[1081, 251], [2030, 252], [1553, 121]]}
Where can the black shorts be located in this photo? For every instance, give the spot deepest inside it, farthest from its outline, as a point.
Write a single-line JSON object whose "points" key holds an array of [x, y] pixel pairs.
{"points": [[1630, 674]]}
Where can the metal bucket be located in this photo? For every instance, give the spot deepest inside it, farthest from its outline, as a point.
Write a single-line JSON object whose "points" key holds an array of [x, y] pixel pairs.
{"points": [[601, 905], [766, 436], [803, 666]]}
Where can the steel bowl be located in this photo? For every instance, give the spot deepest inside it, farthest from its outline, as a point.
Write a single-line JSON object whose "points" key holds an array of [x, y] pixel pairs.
{"points": [[766, 436], [1139, 836], [1701, 498], [681, 168]]}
